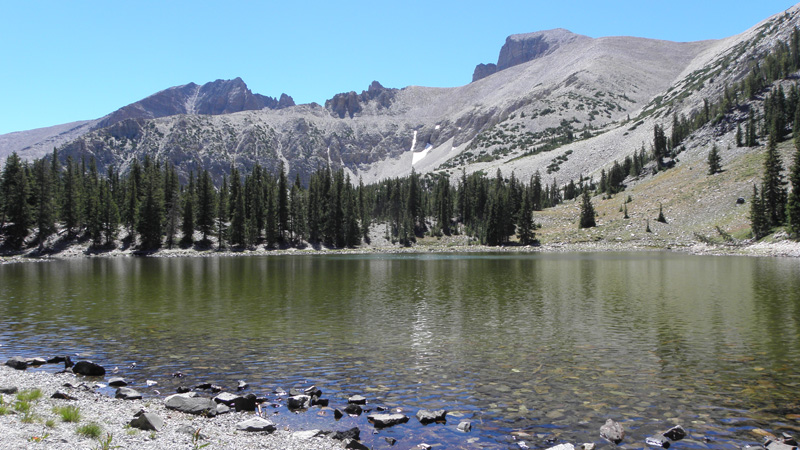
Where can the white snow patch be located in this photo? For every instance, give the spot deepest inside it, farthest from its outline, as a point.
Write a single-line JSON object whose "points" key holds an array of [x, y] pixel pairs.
{"points": [[414, 141], [416, 157], [437, 127]]}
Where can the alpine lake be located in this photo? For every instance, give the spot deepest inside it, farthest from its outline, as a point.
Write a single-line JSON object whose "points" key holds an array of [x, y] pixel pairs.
{"points": [[537, 347]]}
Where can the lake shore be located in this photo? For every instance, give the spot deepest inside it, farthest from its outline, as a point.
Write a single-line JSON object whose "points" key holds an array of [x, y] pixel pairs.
{"points": [[44, 428], [780, 247]]}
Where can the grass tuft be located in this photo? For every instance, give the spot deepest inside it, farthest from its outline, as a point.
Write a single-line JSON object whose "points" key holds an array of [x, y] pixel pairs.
{"points": [[92, 430], [68, 413], [29, 395]]}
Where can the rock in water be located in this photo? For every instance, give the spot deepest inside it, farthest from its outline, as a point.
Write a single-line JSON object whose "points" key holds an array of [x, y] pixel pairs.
{"points": [[612, 432], [465, 427], [657, 441], [352, 433], [675, 433], [357, 400], [148, 421], [354, 445], [387, 420], [353, 409], [298, 402], [117, 382], [566, 446], [88, 369], [242, 385], [191, 405], [425, 417], [245, 403], [127, 394], [256, 424], [18, 363]]}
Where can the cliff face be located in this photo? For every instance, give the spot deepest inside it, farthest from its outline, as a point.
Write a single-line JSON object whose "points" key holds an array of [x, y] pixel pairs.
{"points": [[521, 48]]}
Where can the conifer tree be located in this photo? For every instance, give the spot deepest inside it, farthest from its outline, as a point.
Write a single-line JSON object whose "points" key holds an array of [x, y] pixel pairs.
{"points": [[222, 213], [714, 161], [151, 212], [172, 205], [525, 230], [587, 211], [363, 210], [109, 213], [739, 136], [661, 217], [283, 202], [45, 208], [71, 208], [751, 131], [91, 189], [773, 187], [793, 204], [238, 229], [15, 192], [206, 210], [56, 184], [297, 210], [758, 220], [188, 225]]}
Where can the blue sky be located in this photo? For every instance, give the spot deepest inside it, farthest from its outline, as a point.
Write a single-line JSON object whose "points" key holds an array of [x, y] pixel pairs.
{"points": [[64, 61]]}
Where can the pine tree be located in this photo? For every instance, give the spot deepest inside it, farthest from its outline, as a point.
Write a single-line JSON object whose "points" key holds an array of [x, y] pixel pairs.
{"points": [[283, 202], [91, 189], [15, 192], [188, 224], [109, 213], [587, 211], [45, 208], [297, 210], [525, 231], [793, 204], [661, 217], [206, 208], [758, 220], [625, 211], [151, 213], [714, 161], [739, 136], [774, 187], [56, 184], [172, 205], [70, 210], [222, 213], [238, 219], [751, 140]]}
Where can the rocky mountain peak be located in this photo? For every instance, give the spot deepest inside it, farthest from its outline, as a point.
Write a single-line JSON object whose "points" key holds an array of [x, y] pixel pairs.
{"points": [[212, 98], [521, 48]]}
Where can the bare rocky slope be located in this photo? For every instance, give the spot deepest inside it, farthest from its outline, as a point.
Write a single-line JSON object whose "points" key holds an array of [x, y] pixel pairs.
{"points": [[557, 102]]}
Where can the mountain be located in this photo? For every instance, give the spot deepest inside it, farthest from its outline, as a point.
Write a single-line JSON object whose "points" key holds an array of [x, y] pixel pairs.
{"points": [[556, 102]]}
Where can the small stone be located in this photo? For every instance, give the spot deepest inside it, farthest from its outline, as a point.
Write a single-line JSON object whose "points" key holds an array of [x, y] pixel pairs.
{"points": [[612, 432], [357, 400], [226, 398], [88, 369], [36, 361], [150, 383], [675, 433], [148, 421], [390, 440], [298, 402], [256, 424], [117, 382], [424, 446], [316, 401], [8, 390], [464, 427], [352, 433], [313, 391], [387, 420], [191, 431], [657, 441], [18, 363], [188, 403], [223, 409], [587, 446], [425, 417], [242, 385], [337, 414], [353, 409], [63, 396], [183, 389], [127, 394]]}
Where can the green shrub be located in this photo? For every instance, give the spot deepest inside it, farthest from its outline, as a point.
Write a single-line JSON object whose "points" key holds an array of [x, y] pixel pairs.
{"points": [[68, 413], [92, 430]]}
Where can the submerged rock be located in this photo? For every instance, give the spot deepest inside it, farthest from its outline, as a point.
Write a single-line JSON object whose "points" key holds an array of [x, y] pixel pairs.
{"points": [[387, 420], [148, 421], [256, 424], [88, 369], [612, 432]]}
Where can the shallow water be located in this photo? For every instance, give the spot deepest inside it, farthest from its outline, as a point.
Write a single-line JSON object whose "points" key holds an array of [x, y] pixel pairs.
{"points": [[546, 344]]}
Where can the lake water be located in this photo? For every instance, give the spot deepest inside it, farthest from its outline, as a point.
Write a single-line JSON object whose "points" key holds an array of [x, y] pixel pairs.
{"points": [[544, 344]]}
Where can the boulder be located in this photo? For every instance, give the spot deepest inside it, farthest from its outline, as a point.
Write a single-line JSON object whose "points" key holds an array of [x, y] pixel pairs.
{"points": [[117, 382], [148, 421], [191, 405], [425, 417], [63, 396], [357, 400], [226, 398], [353, 409], [127, 394], [464, 427], [354, 444], [223, 409], [18, 363], [387, 420], [88, 369], [306, 435], [245, 403], [675, 433], [352, 433], [256, 424], [298, 402], [612, 432]]}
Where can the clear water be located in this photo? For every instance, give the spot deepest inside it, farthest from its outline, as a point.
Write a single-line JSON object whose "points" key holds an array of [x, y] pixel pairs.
{"points": [[545, 344]]}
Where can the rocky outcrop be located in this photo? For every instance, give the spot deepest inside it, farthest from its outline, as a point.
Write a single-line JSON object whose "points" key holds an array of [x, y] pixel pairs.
{"points": [[349, 104], [483, 71]]}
